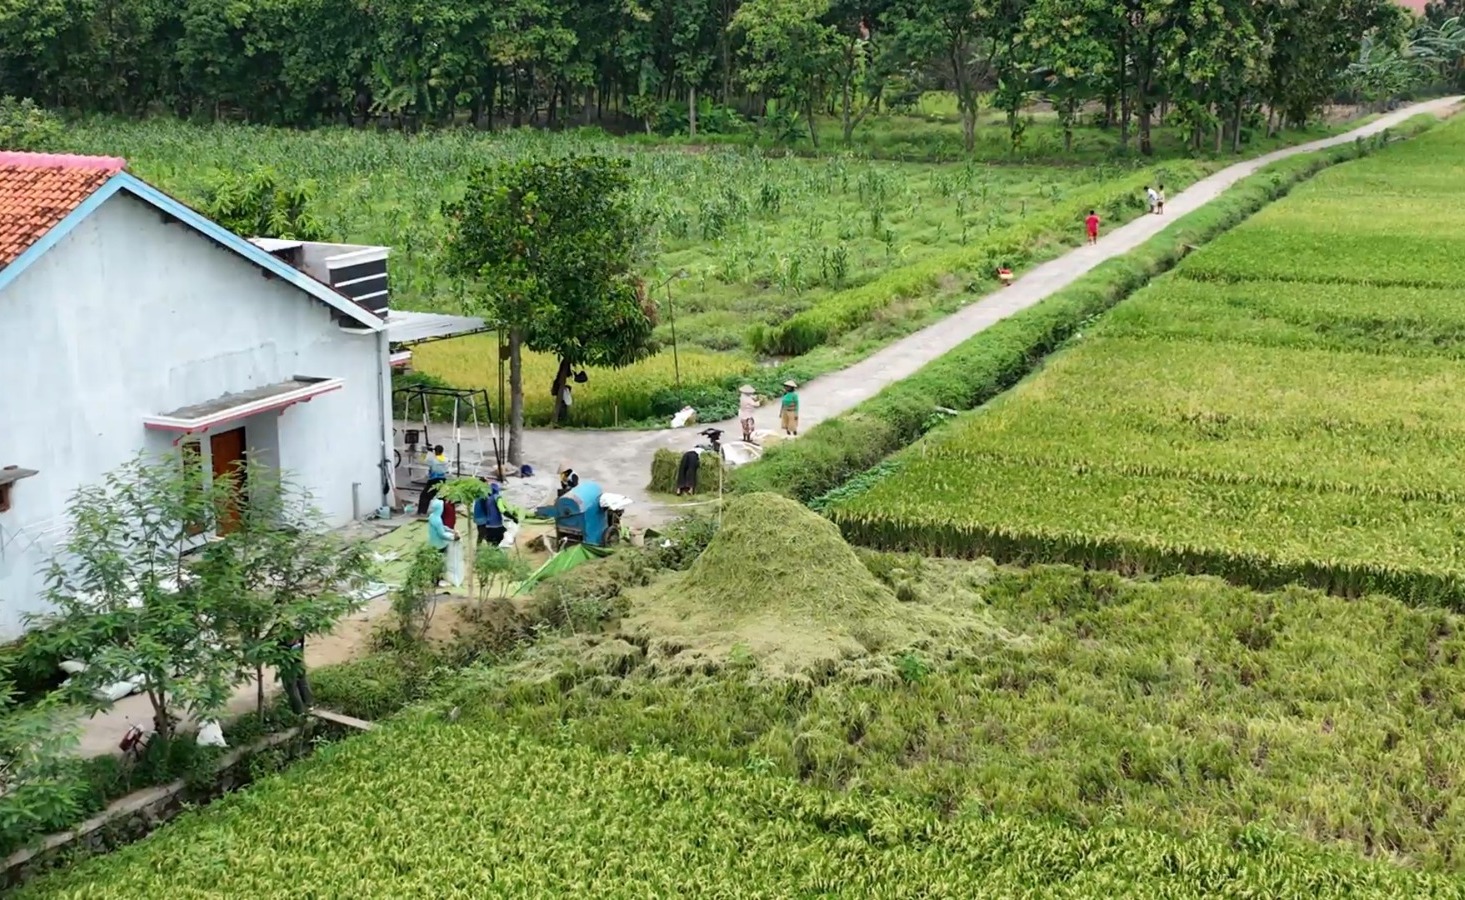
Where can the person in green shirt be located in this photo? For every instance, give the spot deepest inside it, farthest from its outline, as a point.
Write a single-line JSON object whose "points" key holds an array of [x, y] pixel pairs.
{"points": [[789, 413]]}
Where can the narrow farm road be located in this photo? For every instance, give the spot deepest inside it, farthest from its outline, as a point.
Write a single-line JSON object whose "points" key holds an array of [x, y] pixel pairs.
{"points": [[621, 460]]}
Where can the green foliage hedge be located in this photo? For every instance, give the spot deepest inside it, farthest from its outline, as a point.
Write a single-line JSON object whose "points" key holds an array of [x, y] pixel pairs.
{"points": [[995, 359], [1117, 201]]}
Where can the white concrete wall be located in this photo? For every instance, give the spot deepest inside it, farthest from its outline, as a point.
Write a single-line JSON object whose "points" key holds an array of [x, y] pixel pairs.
{"points": [[128, 316]]}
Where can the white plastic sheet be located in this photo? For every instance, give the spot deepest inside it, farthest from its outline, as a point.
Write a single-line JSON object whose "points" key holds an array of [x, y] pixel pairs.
{"points": [[614, 502], [455, 564], [687, 416], [511, 533], [211, 735], [740, 453]]}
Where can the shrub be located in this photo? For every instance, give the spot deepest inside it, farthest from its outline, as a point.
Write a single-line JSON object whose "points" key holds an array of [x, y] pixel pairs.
{"points": [[26, 126]]}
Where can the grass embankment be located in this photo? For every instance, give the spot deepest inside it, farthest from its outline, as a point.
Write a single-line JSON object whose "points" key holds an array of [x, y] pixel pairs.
{"points": [[1316, 454], [1042, 733], [990, 362]]}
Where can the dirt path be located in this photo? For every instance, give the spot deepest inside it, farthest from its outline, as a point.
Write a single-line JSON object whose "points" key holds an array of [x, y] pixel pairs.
{"points": [[621, 460]]}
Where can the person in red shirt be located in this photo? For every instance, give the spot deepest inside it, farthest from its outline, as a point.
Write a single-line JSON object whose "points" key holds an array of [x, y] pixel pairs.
{"points": [[1092, 224]]}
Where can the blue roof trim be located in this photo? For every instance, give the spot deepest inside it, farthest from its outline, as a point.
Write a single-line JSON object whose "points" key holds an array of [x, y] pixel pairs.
{"points": [[212, 230]]}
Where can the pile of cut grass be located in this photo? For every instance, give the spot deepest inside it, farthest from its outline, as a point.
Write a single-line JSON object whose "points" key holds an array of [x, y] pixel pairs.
{"points": [[777, 585]]}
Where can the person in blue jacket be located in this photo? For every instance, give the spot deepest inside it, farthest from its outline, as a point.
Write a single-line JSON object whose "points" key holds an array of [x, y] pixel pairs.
{"points": [[489, 514], [439, 536]]}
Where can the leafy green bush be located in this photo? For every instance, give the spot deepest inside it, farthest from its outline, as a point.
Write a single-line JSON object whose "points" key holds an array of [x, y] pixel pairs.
{"points": [[26, 126], [997, 358]]}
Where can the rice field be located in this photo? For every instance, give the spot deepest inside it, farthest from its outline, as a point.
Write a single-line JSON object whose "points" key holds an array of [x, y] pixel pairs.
{"points": [[1285, 407]]}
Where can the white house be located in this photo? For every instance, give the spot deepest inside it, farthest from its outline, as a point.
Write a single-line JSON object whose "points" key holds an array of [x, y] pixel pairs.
{"points": [[132, 323]]}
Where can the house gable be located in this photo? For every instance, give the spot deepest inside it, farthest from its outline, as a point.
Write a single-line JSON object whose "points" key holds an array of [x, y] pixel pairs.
{"points": [[60, 192]]}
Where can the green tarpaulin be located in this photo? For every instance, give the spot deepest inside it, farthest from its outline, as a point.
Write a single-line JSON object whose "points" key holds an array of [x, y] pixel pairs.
{"points": [[563, 561]]}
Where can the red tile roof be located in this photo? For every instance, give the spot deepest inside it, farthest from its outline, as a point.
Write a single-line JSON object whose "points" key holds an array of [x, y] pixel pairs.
{"points": [[37, 190]]}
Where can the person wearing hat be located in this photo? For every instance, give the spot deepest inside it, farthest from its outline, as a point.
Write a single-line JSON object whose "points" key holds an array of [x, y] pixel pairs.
{"points": [[788, 415], [568, 479], [747, 410]]}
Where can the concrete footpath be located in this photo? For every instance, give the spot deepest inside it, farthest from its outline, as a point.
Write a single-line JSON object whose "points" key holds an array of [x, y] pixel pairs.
{"points": [[621, 460]]}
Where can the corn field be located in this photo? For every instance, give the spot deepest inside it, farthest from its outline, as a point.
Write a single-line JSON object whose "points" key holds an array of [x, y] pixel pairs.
{"points": [[754, 234], [1284, 407]]}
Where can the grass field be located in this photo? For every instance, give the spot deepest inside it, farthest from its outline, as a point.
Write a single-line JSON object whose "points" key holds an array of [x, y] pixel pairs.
{"points": [[766, 254], [1232, 422]]}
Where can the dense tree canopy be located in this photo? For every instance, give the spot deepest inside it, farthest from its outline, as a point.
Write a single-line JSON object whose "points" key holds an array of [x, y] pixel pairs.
{"points": [[549, 248], [1218, 63]]}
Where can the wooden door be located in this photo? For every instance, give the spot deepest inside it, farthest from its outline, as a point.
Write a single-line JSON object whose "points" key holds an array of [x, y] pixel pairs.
{"points": [[227, 449]]}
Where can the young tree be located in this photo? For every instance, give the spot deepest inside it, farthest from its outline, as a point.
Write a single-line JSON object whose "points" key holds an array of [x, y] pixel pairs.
{"points": [[135, 596], [551, 247], [260, 203], [124, 602], [288, 579]]}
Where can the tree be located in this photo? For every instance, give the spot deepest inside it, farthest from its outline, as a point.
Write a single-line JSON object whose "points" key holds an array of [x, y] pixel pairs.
{"points": [[1073, 60], [788, 49], [260, 203], [124, 601], [280, 575], [954, 35], [135, 596], [550, 248]]}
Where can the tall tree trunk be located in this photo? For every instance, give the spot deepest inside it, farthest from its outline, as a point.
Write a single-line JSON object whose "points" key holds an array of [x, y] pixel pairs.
{"points": [[1124, 103], [259, 692], [1236, 125], [518, 119], [1146, 110], [692, 111], [813, 125], [516, 397], [1109, 101], [589, 103]]}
